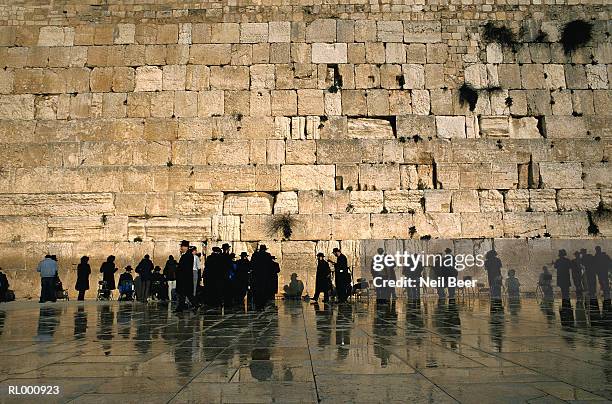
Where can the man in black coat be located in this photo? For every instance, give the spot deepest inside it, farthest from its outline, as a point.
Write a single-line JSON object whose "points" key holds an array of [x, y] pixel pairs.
{"points": [[241, 279], [4, 286], [602, 263], [342, 275], [184, 278], [145, 270], [323, 280], [261, 267], [214, 278], [227, 266], [563, 265], [577, 274]]}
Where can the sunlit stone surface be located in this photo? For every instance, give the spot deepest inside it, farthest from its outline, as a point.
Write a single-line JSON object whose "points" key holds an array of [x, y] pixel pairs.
{"points": [[298, 352]]}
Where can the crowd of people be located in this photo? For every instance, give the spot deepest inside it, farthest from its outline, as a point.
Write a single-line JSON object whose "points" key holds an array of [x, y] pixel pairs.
{"points": [[222, 279]]}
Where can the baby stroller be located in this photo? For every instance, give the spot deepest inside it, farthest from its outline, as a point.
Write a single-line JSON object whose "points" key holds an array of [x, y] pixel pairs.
{"points": [[60, 292], [104, 293], [126, 291]]}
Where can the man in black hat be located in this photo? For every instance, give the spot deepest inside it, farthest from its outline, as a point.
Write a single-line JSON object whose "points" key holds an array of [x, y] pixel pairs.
{"points": [[274, 271], [184, 278], [213, 278], [342, 275], [261, 264], [126, 284], [241, 280], [602, 263], [227, 266], [323, 279]]}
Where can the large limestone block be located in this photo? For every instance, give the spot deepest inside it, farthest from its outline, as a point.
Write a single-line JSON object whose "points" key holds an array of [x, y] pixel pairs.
{"points": [[564, 127], [542, 200], [404, 201], [329, 53], [198, 203], [422, 31], [56, 36], [169, 229], [437, 200], [597, 175], [250, 203], [387, 226], [351, 226], [561, 175], [449, 127], [81, 204], [570, 224], [494, 126], [254, 32], [22, 229], [524, 128], [464, 201], [422, 126], [524, 224], [149, 78], [379, 176], [301, 151], [226, 228], [369, 128], [104, 228], [210, 54], [491, 200], [17, 106], [321, 30], [236, 178], [578, 199], [339, 151], [326, 202], [517, 200], [306, 177], [279, 31], [312, 227], [286, 202], [437, 225], [479, 225], [366, 201], [229, 77]]}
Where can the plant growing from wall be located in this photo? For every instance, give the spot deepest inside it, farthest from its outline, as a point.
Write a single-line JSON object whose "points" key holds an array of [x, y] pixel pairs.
{"points": [[282, 223], [502, 35], [469, 95], [576, 34]]}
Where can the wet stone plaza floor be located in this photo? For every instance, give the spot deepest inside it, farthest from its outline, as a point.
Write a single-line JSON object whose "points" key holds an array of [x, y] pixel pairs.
{"points": [[299, 352]]}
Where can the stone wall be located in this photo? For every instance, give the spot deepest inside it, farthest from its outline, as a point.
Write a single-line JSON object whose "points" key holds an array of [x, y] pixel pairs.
{"points": [[127, 127]]}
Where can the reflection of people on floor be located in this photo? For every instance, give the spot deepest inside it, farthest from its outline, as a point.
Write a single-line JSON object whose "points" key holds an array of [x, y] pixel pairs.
{"points": [[323, 318], [545, 283], [344, 323], [414, 292], [590, 274], [294, 289], [47, 322], [603, 263], [384, 329], [497, 327], [105, 327], [342, 276], [80, 323]]}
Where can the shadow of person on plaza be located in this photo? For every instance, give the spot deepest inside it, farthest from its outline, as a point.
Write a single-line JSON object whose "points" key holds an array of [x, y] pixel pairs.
{"points": [[80, 323]]}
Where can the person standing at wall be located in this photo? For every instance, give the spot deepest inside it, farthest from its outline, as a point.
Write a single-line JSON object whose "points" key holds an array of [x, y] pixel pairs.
{"points": [[82, 282], [241, 278], [602, 263], [4, 287], [493, 267], [184, 278], [323, 279], [196, 268], [577, 274], [563, 265], [170, 275], [145, 270], [48, 271], [108, 270], [342, 275]]}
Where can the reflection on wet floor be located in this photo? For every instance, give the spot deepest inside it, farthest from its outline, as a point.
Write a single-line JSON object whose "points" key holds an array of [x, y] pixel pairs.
{"points": [[293, 351]]}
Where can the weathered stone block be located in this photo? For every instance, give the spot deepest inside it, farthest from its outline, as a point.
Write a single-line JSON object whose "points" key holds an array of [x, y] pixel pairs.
{"points": [[561, 175], [464, 201], [542, 200], [351, 227], [437, 200], [567, 224], [253, 203], [326, 202], [391, 225], [305, 177], [404, 201], [366, 202], [229, 77], [329, 53], [478, 225], [149, 78], [17, 106], [379, 176], [310, 102], [422, 31], [321, 30], [169, 229], [449, 127], [286, 202], [597, 175], [210, 54], [524, 224], [112, 228]]}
